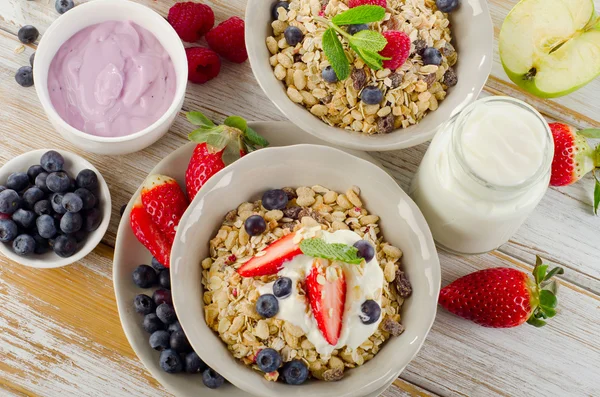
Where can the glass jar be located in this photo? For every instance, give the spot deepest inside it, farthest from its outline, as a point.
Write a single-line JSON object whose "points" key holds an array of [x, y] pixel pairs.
{"points": [[483, 174]]}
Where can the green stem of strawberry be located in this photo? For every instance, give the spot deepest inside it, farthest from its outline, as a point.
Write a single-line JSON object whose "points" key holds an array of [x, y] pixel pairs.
{"points": [[543, 290]]}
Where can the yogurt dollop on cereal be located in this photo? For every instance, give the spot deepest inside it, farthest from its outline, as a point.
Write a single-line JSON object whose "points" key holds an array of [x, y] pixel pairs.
{"points": [[364, 281]]}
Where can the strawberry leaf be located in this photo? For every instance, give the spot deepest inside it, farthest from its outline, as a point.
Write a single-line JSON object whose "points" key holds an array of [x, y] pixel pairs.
{"points": [[596, 197], [548, 299], [548, 312], [554, 272], [359, 15], [334, 50], [539, 272], [318, 248], [254, 138], [236, 122], [198, 118], [214, 137], [536, 322], [592, 133]]}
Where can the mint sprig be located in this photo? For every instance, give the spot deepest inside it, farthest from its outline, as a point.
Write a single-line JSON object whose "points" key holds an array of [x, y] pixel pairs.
{"points": [[318, 248]]}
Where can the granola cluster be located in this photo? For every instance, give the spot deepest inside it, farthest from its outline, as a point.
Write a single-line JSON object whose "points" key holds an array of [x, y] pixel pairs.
{"points": [[230, 299]]}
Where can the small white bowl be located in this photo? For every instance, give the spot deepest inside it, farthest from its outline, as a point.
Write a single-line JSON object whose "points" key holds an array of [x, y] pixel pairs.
{"points": [[73, 165], [92, 13], [402, 225], [473, 37]]}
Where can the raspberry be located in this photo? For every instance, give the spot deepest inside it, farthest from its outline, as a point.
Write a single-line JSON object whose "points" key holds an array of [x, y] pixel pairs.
{"points": [[227, 39], [397, 48], [191, 20], [203, 64], [356, 3]]}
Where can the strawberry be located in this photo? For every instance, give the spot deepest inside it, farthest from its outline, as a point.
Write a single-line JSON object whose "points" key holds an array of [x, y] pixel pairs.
{"points": [[273, 259], [202, 166], [164, 201], [326, 292], [149, 234], [503, 297]]}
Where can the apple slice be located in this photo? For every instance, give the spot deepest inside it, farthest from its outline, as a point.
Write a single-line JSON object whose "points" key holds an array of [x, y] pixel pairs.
{"points": [[551, 48]]}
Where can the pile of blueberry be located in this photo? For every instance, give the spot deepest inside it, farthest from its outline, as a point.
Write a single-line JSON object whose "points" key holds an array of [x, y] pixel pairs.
{"points": [[166, 334], [45, 208]]}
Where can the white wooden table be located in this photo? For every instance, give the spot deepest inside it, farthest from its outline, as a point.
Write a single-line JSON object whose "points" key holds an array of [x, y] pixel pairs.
{"points": [[59, 330]]}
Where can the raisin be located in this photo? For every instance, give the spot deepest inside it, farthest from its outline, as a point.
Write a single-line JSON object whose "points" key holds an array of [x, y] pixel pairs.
{"points": [[392, 327], [420, 46], [385, 125], [450, 78], [403, 285], [359, 79], [396, 79], [292, 212]]}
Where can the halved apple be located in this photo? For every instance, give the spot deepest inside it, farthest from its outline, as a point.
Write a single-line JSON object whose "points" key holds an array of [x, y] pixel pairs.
{"points": [[551, 48]]}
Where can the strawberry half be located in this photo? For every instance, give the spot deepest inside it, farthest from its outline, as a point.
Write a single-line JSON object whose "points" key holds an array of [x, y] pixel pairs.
{"points": [[326, 291], [149, 234], [273, 259], [164, 201], [503, 297], [203, 165], [573, 156]]}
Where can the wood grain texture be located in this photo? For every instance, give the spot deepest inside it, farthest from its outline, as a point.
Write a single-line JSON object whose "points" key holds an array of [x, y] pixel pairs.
{"points": [[60, 333]]}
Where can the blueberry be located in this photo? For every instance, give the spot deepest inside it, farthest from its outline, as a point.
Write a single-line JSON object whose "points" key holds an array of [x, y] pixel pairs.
{"points": [[9, 201], [32, 196], [144, 276], [161, 296], [24, 245], [212, 379], [268, 360], [52, 161], [72, 202], [80, 236], [87, 197], [194, 364], [24, 76], [63, 6], [31, 59], [24, 218], [371, 95], [71, 222], [370, 312], [58, 182], [92, 219], [45, 226], [294, 372], [40, 181], [17, 181], [143, 304], [170, 361], [166, 313], [87, 179], [329, 75], [277, 6], [267, 305], [293, 35], [282, 288], [365, 250], [41, 244], [164, 279], [28, 34], [275, 199], [159, 340], [65, 246], [180, 343], [2, 188], [56, 202], [176, 326], [432, 56], [8, 230], [157, 265], [446, 5], [354, 29], [152, 323], [255, 225]]}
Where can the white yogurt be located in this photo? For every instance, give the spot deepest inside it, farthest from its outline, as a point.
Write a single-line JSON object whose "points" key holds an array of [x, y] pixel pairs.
{"points": [[483, 174], [362, 282]]}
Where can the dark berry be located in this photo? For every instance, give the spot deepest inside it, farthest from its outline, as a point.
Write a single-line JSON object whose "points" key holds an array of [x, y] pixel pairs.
{"points": [[58, 182], [293, 35], [267, 305], [87, 179], [152, 323], [9, 201], [164, 279], [194, 364], [46, 226], [144, 276], [275, 199], [370, 312], [32, 59], [277, 6], [371, 95], [52, 161], [17, 181], [24, 76], [166, 313], [65, 246], [41, 244], [212, 379], [432, 56], [161, 296], [282, 288], [143, 304], [365, 250], [159, 340], [72, 202], [32, 196], [255, 225], [180, 343], [8, 230], [176, 326], [92, 219], [329, 75], [268, 360], [170, 361], [354, 29], [71, 222], [24, 245], [157, 265], [24, 218], [28, 34], [2, 188], [80, 235], [294, 372], [56, 202], [63, 6], [446, 5], [40, 181], [87, 197]]}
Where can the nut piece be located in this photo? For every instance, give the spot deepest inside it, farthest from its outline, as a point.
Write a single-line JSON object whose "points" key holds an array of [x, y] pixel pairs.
{"points": [[333, 375], [403, 286], [392, 327]]}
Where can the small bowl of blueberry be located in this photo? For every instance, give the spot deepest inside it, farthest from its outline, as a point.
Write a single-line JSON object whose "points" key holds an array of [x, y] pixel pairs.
{"points": [[55, 208]]}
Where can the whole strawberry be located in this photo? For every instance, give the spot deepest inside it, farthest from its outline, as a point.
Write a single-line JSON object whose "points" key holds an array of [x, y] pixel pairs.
{"points": [[191, 20], [227, 40], [503, 297]]}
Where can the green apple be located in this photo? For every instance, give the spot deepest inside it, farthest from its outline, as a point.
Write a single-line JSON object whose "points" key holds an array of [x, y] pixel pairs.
{"points": [[551, 48]]}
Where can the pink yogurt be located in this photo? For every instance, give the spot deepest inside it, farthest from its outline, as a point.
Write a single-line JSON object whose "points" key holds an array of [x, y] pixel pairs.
{"points": [[112, 79]]}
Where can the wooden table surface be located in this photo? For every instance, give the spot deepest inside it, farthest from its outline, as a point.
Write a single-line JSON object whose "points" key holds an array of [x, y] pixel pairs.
{"points": [[59, 329]]}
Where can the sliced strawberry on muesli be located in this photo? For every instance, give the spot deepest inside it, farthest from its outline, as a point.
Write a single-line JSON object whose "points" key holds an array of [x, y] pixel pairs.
{"points": [[271, 259]]}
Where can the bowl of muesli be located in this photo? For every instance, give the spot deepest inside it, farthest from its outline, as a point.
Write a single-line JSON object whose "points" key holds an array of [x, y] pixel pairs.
{"points": [[370, 74], [282, 276]]}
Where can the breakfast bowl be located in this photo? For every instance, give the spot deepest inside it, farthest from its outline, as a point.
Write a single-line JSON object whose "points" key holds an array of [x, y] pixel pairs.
{"points": [[148, 118], [408, 104], [404, 248], [73, 165]]}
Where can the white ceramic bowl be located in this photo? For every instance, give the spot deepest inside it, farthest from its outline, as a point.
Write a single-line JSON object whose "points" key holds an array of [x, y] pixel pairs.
{"points": [[473, 37], [305, 165], [73, 165], [91, 13]]}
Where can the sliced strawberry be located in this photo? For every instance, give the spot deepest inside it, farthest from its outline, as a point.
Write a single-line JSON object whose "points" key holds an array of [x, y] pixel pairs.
{"points": [[149, 234], [327, 297], [202, 166], [273, 259], [164, 201]]}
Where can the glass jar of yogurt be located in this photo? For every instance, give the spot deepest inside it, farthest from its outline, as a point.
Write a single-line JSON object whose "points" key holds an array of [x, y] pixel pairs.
{"points": [[483, 174]]}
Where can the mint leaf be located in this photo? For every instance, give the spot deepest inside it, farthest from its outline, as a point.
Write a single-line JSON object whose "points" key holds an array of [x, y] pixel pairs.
{"points": [[372, 59], [369, 40], [254, 138], [236, 122], [360, 14], [592, 133], [334, 51], [318, 248], [198, 118]]}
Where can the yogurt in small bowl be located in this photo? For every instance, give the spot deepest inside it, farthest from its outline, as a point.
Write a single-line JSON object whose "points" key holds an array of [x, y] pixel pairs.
{"points": [[111, 76]]}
